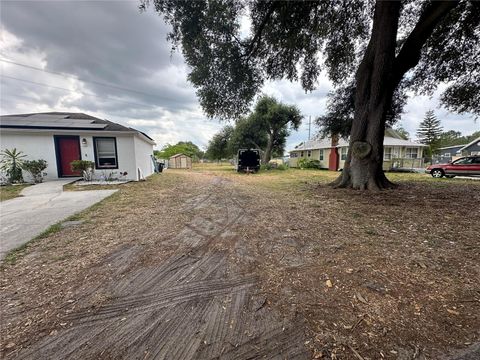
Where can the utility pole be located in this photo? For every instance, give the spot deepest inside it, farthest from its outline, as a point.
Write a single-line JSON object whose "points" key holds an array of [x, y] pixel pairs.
{"points": [[309, 125]]}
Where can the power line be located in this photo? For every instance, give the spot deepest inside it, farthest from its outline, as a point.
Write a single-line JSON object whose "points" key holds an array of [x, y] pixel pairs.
{"points": [[186, 120], [88, 81], [73, 92]]}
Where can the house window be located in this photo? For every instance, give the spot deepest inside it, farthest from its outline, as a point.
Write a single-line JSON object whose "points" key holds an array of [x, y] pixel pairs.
{"points": [[301, 153], [387, 153], [411, 153], [344, 153], [447, 155], [294, 155], [105, 153], [309, 153], [321, 155]]}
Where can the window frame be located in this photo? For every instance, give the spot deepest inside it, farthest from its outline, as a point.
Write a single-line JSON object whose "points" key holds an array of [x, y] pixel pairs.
{"points": [[408, 154], [309, 153], [343, 153], [389, 153], [321, 155], [97, 163]]}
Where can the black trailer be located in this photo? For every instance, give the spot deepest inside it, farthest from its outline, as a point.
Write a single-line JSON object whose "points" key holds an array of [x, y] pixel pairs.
{"points": [[248, 160]]}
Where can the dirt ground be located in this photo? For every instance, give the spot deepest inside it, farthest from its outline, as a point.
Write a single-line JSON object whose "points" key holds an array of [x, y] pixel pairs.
{"points": [[210, 264]]}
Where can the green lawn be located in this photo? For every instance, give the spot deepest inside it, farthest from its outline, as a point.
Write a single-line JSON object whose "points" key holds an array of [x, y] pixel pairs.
{"points": [[8, 192]]}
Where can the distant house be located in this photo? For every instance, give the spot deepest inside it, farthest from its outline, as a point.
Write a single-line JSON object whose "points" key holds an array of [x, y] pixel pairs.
{"points": [[61, 137], [450, 151], [332, 154], [455, 151], [473, 148], [180, 161]]}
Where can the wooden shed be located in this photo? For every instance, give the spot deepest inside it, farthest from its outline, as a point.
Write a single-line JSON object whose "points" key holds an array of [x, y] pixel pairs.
{"points": [[180, 161]]}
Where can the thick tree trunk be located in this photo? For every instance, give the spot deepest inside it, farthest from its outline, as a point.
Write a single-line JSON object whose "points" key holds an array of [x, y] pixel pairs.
{"points": [[378, 75], [374, 92], [267, 155]]}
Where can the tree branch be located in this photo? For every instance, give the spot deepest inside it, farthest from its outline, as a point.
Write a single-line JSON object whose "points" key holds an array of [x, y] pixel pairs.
{"points": [[256, 39], [409, 55]]}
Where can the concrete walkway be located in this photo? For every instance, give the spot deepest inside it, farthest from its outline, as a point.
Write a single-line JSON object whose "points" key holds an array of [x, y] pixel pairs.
{"points": [[39, 207]]}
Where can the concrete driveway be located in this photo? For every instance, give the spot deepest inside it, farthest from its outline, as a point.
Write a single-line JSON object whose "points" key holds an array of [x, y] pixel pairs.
{"points": [[41, 206]]}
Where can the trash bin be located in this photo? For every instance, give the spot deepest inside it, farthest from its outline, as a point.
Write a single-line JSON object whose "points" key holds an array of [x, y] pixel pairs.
{"points": [[160, 167]]}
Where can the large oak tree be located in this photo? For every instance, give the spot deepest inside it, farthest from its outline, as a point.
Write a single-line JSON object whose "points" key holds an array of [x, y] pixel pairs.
{"points": [[379, 47]]}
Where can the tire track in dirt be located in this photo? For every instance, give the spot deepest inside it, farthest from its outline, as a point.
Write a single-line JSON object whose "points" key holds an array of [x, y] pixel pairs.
{"points": [[195, 305]]}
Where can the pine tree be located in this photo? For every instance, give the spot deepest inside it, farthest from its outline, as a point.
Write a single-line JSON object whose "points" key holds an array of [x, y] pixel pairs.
{"points": [[430, 131]]}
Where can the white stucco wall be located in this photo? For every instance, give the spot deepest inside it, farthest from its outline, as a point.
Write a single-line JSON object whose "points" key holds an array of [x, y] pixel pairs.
{"points": [[132, 152], [35, 146], [125, 154], [143, 153]]}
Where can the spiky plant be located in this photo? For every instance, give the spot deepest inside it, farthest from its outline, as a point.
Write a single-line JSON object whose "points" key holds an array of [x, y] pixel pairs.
{"points": [[11, 163]]}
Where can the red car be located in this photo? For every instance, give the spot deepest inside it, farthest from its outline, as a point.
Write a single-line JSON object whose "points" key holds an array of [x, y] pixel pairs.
{"points": [[466, 166]]}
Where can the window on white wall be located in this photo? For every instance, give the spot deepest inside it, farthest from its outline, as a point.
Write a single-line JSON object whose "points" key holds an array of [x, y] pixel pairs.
{"points": [[105, 153], [321, 155], [343, 155], [412, 153], [387, 153], [309, 153], [395, 153]]}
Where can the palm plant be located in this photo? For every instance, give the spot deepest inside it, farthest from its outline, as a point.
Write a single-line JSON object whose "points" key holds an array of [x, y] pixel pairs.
{"points": [[11, 163]]}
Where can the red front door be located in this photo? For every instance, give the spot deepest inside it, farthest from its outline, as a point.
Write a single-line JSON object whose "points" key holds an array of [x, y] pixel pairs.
{"points": [[68, 150]]}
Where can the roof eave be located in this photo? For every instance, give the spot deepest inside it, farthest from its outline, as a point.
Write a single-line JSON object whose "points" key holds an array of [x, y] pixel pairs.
{"points": [[470, 144]]}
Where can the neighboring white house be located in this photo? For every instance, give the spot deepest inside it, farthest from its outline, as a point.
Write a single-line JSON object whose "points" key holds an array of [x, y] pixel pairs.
{"points": [[60, 138], [397, 152]]}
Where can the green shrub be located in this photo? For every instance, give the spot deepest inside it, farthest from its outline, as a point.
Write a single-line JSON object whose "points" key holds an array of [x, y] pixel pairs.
{"points": [[273, 166], [35, 169], [11, 163], [309, 164], [85, 167]]}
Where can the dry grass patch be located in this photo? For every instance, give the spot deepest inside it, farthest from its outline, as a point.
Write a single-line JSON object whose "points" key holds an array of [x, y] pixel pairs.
{"points": [[388, 275], [8, 192]]}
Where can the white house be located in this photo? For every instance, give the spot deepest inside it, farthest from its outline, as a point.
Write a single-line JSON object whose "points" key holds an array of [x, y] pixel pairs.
{"points": [[60, 138], [397, 152]]}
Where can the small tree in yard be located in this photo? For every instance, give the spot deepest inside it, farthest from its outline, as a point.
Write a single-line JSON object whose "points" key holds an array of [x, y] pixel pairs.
{"points": [[35, 169], [429, 132], [370, 45], [277, 119], [266, 128], [11, 163], [84, 167], [219, 146]]}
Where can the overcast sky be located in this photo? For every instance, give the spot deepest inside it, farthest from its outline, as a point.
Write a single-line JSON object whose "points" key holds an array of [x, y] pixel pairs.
{"points": [[117, 64]]}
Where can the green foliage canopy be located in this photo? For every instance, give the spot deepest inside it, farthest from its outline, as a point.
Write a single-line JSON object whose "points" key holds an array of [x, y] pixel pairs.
{"points": [[287, 37], [219, 146], [182, 147], [452, 138], [266, 128]]}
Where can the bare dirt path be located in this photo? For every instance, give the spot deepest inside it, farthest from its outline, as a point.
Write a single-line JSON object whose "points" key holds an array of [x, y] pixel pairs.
{"points": [[194, 304]]}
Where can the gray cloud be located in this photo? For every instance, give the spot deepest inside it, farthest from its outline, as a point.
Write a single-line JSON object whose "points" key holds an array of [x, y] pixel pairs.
{"points": [[112, 42]]}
